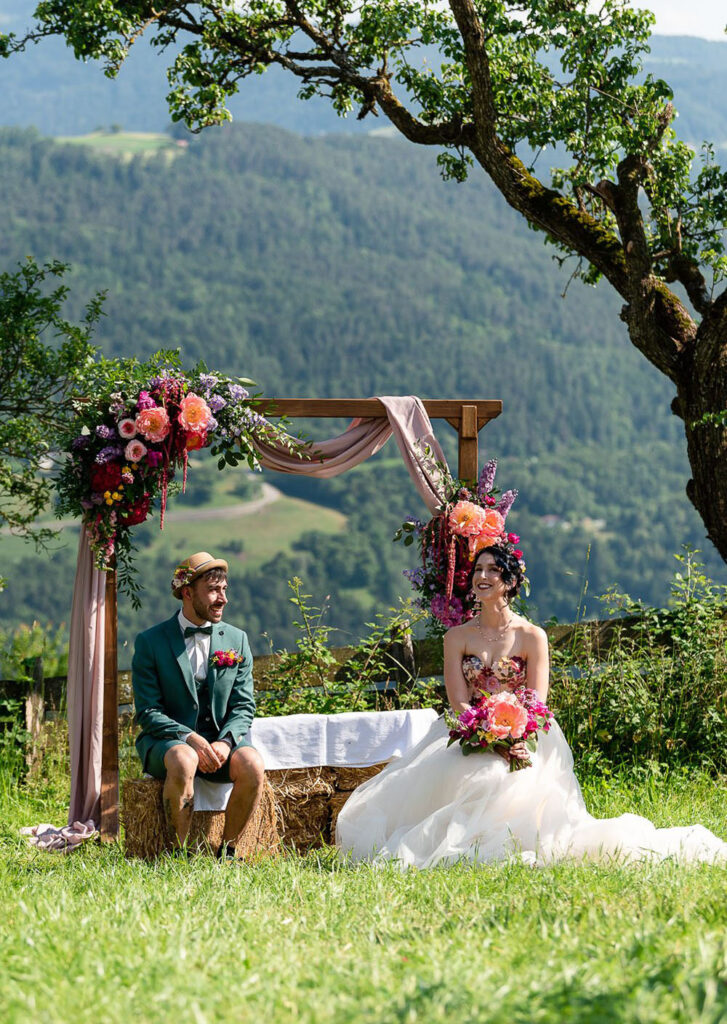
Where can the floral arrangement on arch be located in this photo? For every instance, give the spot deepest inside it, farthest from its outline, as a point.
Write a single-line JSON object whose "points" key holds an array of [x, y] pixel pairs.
{"points": [[468, 520], [132, 435]]}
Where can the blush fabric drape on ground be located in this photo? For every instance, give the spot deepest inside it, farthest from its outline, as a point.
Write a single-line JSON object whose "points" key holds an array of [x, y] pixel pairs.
{"points": [[411, 427]]}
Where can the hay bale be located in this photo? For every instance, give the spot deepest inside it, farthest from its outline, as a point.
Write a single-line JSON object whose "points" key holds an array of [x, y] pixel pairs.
{"points": [[147, 834], [337, 801], [351, 778], [302, 802]]}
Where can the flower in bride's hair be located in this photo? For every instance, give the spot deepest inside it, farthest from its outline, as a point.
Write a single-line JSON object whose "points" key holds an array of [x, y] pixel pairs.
{"points": [[513, 538]]}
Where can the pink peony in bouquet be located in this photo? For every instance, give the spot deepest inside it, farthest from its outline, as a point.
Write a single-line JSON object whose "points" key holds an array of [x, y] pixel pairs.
{"points": [[499, 721]]}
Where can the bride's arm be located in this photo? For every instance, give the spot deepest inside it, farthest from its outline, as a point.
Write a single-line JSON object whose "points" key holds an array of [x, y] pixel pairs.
{"points": [[454, 681], [538, 662]]}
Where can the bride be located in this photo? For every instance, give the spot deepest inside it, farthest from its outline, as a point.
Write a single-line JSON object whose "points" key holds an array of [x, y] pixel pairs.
{"points": [[436, 806]]}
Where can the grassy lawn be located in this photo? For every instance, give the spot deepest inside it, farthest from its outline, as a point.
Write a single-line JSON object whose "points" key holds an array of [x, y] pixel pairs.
{"points": [[123, 143], [269, 532], [92, 937]]}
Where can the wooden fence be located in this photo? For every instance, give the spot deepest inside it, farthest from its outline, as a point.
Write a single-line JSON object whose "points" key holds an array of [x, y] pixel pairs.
{"points": [[402, 661]]}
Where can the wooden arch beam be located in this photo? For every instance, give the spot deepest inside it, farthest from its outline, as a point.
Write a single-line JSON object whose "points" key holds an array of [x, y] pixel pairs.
{"points": [[467, 416]]}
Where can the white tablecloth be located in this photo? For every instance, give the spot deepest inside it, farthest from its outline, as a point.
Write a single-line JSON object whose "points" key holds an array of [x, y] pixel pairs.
{"points": [[354, 739]]}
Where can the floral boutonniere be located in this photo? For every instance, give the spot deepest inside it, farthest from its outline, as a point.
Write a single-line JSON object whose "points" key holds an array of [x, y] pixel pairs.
{"points": [[226, 659]]}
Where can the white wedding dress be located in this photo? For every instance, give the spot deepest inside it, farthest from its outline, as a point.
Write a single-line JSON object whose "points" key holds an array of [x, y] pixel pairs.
{"points": [[436, 806]]}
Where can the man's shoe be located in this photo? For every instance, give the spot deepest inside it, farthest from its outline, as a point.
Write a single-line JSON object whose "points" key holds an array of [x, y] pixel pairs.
{"points": [[226, 852]]}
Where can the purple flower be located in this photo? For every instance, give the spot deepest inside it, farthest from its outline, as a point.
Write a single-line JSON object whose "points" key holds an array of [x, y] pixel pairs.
{"points": [[86, 504], [216, 402], [105, 433], [153, 458], [79, 442], [207, 381], [237, 392], [415, 576], [505, 503], [449, 612], [487, 478], [113, 451], [145, 401], [213, 424]]}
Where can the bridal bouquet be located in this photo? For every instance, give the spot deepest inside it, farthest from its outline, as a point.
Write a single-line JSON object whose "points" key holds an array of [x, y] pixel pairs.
{"points": [[499, 721]]}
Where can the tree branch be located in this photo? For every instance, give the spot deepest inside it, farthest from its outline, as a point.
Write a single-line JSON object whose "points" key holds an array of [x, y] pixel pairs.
{"points": [[683, 269]]}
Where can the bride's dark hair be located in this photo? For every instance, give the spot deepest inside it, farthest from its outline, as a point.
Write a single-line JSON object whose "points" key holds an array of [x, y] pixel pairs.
{"points": [[510, 567]]}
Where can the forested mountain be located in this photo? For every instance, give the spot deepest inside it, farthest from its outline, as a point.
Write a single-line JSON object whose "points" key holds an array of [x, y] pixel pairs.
{"points": [[46, 87], [345, 266]]}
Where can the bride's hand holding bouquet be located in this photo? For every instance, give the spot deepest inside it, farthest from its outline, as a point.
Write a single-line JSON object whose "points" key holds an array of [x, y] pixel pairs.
{"points": [[507, 723]]}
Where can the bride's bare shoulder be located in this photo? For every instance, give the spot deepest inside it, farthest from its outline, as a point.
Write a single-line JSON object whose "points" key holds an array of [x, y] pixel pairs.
{"points": [[457, 635], [529, 631]]}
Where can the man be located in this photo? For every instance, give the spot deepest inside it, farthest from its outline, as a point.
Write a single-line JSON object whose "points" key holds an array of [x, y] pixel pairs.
{"points": [[193, 691]]}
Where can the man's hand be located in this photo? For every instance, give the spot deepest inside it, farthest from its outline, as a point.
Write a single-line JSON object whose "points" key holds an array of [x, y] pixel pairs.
{"points": [[209, 759], [222, 750]]}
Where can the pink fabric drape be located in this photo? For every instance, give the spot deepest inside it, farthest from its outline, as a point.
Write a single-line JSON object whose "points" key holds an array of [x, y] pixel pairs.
{"points": [[85, 686], [412, 430]]}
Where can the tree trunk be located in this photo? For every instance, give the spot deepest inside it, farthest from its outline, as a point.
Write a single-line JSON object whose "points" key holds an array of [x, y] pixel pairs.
{"points": [[700, 394]]}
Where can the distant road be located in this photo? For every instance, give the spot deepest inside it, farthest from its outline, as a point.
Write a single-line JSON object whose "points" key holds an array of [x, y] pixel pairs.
{"points": [[245, 508], [192, 515]]}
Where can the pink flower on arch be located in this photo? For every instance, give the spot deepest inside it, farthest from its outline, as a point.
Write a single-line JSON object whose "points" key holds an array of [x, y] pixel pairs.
{"points": [[126, 428], [194, 414], [490, 531], [135, 451], [153, 423], [467, 519]]}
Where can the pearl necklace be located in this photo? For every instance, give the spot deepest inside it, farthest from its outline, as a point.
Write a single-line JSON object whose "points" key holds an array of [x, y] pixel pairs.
{"points": [[494, 634]]}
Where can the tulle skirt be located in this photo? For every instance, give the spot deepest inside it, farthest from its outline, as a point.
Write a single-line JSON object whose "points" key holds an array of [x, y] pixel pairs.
{"points": [[436, 806]]}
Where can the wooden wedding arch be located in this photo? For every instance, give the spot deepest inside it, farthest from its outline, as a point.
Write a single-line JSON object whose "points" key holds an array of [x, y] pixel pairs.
{"points": [[467, 417]]}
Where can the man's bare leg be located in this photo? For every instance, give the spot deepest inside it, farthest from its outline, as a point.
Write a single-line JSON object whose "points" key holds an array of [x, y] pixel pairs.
{"points": [[181, 763], [247, 773]]}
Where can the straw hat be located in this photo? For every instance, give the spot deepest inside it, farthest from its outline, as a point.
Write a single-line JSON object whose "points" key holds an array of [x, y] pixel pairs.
{"points": [[192, 567]]}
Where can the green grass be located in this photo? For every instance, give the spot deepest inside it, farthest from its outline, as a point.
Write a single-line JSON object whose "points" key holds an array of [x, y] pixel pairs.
{"points": [[270, 532], [92, 937], [125, 144]]}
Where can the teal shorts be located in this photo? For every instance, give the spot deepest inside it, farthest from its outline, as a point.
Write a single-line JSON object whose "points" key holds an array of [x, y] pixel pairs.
{"points": [[154, 764]]}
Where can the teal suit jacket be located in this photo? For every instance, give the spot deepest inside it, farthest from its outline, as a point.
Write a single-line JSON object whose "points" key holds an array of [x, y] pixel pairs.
{"points": [[165, 695]]}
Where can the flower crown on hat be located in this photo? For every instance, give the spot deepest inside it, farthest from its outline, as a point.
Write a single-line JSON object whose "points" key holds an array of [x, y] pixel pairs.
{"points": [[468, 521], [182, 577]]}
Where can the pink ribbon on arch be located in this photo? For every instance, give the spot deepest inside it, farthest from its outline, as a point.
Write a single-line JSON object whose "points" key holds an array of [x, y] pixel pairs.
{"points": [[407, 420], [411, 427]]}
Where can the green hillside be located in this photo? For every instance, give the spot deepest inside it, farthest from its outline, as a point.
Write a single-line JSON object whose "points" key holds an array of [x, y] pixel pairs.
{"points": [[344, 266]]}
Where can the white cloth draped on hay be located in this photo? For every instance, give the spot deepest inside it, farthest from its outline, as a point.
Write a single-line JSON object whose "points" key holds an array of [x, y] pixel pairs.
{"points": [[407, 420]]}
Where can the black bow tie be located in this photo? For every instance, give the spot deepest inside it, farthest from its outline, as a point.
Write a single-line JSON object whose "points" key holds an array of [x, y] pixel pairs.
{"points": [[191, 630]]}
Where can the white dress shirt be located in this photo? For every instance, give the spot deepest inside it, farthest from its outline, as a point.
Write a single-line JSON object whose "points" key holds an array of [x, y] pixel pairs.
{"points": [[198, 651], [198, 647]]}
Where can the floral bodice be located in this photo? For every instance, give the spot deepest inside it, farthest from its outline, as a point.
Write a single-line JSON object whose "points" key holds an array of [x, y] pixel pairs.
{"points": [[505, 674]]}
